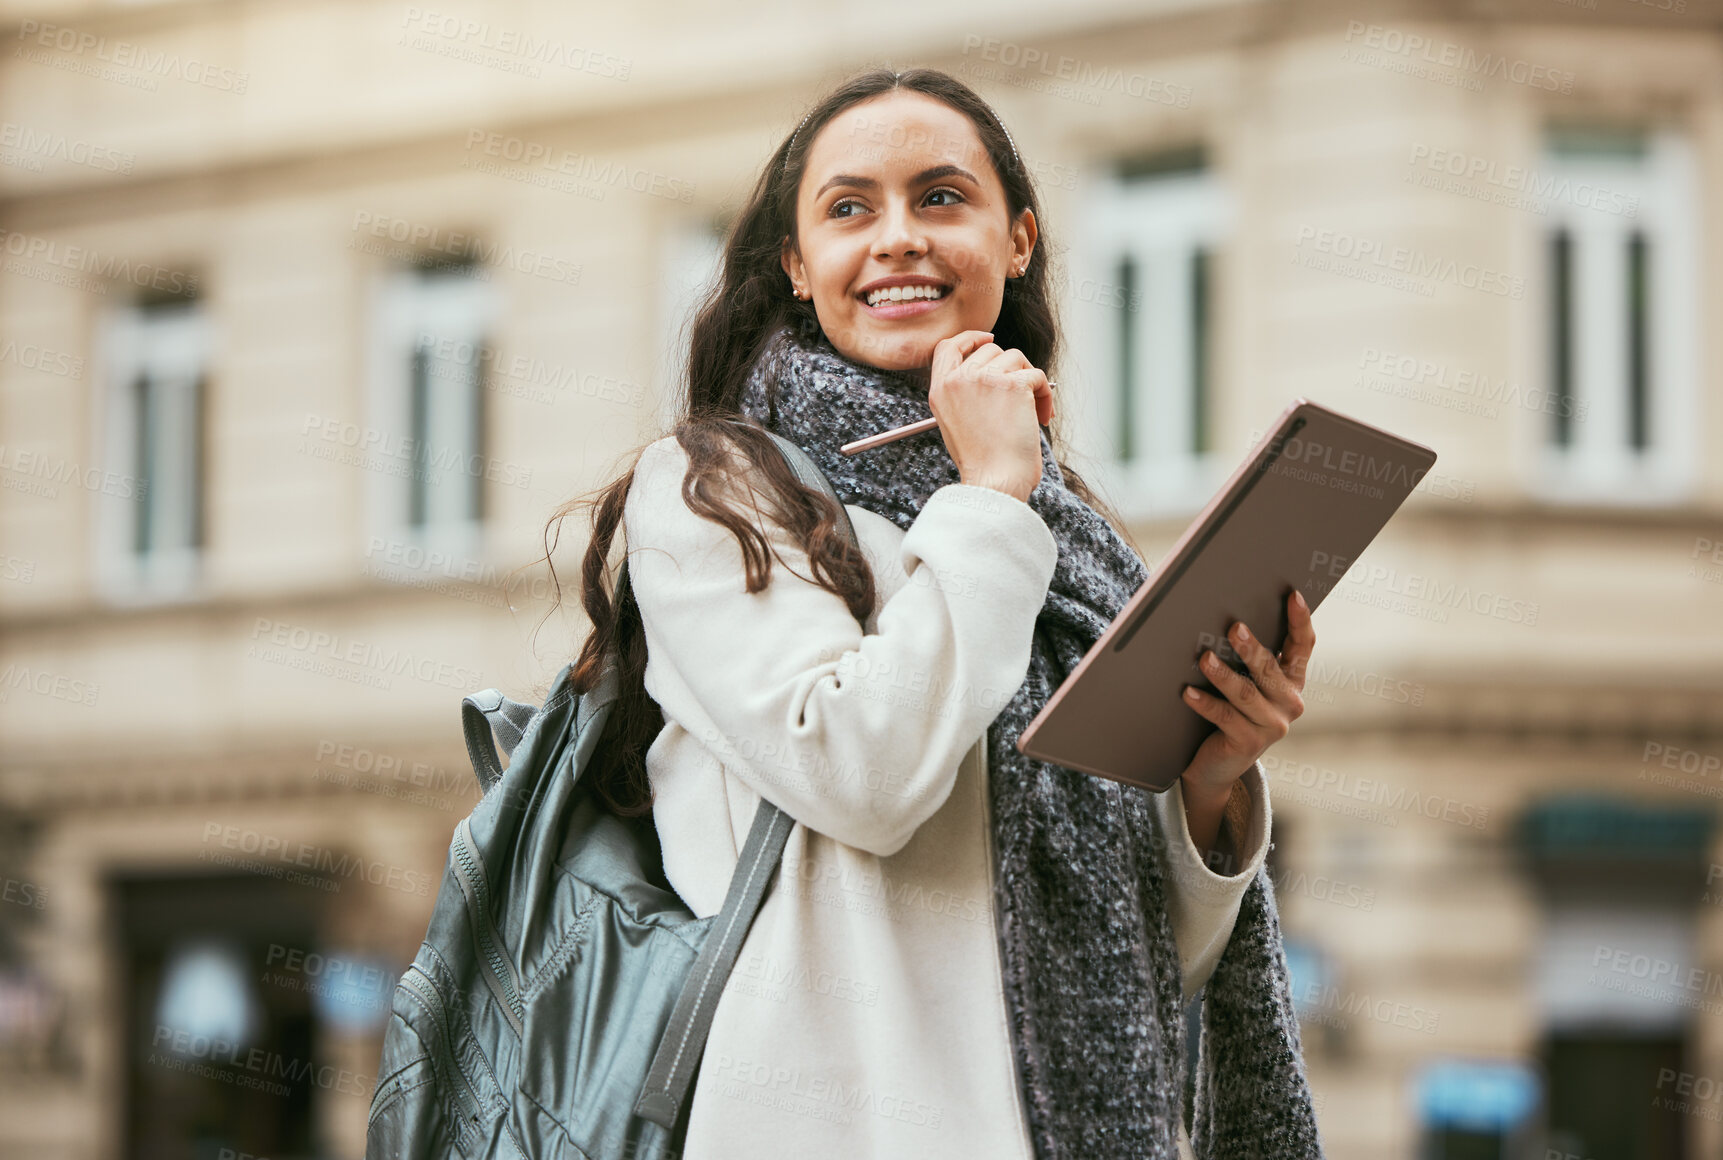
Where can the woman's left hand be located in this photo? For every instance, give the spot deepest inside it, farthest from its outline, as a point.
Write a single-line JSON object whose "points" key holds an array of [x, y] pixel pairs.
{"points": [[1258, 709]]}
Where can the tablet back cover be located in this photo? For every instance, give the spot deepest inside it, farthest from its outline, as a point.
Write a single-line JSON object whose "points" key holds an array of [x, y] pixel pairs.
{"points": [[1297, 513]]}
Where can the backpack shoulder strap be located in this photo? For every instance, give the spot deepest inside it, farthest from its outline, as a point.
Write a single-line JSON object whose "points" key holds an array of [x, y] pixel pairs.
{"points": [[810, 474], [679, 1051], [483, 714], [672, 1071]]}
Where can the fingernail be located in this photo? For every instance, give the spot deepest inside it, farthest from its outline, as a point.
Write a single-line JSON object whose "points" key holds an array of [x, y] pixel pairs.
{"points": [[1299, 596], [1190, 693], [1243, 632]]}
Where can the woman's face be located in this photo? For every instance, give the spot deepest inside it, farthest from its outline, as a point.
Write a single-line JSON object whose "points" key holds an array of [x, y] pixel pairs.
{"points": [[899, 190]]}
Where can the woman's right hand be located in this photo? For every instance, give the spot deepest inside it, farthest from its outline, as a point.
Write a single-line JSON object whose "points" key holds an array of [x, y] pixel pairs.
{"points": [[990, 404]]}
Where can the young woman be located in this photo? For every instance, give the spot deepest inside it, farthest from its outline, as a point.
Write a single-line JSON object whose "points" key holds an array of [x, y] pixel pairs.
{"points": [[967, 952]]}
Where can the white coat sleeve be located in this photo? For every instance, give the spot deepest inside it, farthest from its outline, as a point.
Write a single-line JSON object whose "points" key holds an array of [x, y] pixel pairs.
{"points": [[1202, 902], [858, 737]]}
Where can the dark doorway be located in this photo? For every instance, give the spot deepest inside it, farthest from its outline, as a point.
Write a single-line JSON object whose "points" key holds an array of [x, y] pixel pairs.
{"points": [[218, 1065], [1603, 1086]]}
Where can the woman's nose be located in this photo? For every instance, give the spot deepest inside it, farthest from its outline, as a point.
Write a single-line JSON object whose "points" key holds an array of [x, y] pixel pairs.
{"points": [[899, 233]]}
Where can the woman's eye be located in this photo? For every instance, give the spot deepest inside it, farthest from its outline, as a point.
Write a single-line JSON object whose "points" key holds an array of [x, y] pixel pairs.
{"points": [[850, 201]]}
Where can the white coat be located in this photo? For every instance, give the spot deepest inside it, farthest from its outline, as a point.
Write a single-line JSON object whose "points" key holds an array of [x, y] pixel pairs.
{"points": [[866, 1015]]}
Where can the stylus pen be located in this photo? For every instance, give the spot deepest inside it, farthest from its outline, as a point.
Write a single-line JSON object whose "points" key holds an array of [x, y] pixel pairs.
{"points": [[897, 433]]}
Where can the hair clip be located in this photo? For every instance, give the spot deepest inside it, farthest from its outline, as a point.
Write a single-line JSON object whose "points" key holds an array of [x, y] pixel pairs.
{"points": [[791, 148]]}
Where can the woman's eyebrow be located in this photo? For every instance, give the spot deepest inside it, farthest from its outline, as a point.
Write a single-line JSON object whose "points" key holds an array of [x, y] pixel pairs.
{"points": [[930, 174]]}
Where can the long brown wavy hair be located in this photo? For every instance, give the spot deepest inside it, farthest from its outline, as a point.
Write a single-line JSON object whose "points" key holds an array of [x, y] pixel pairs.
{"points": [[749, 301]]}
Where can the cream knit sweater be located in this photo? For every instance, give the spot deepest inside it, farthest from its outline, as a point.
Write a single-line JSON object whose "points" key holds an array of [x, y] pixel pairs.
{"points": [[865, 1017]]}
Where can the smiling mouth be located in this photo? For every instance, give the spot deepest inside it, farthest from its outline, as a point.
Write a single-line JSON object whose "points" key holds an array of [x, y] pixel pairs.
{"points": [[905, 296]]}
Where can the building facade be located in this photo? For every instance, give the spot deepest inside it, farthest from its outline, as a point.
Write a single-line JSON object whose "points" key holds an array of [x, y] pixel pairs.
{"points": [[311, 315]]}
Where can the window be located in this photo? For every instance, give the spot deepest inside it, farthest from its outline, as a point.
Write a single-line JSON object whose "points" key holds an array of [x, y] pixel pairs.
{"points": [[1142, 308], [1603, 1048], [430, 436], [152, 524], [691, 262], [1620, 316], [1622, 884]]}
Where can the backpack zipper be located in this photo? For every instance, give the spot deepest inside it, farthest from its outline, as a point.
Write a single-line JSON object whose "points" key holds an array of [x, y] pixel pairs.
{"points": [[499, 974], [423, 988]]}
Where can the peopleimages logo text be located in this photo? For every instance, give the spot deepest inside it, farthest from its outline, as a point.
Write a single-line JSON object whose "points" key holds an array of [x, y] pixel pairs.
{"points": [[129, 54], [1399, 42], [1412, 263]]}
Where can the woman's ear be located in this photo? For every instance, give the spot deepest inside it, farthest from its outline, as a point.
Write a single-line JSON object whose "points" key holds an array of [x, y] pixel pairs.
{"points": [[1023, 234], [791, 261]]}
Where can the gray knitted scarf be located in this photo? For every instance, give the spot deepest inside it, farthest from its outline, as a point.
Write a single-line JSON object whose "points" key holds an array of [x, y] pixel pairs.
{"points": [[1092, 983]]}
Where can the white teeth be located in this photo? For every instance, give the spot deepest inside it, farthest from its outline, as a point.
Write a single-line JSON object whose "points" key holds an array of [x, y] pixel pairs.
{"points": [[903, 294]]}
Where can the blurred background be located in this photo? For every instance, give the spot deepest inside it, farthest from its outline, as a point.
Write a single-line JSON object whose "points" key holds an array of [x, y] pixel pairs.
{"points": [[311, 313]]}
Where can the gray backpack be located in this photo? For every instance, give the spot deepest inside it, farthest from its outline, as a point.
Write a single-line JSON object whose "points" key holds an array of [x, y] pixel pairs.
{"points": [[561, 999]]}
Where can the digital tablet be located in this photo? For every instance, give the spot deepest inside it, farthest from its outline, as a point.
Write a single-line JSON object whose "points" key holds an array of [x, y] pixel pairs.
{"points": [[1297, 513]]}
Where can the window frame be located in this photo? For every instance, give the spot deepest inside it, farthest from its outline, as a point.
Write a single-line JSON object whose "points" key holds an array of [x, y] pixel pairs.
{"points": [[459, 304], [1599, 465], [168, 343], [690, 262], [1185, 211]]}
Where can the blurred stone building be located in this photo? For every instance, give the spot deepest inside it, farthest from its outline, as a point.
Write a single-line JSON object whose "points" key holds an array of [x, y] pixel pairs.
{"points": [[311, 314]]}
